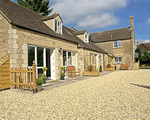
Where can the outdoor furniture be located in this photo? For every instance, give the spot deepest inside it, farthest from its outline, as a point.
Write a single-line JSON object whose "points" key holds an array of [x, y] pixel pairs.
{"points": [[109, 68], [124, 66], [72, 70]]}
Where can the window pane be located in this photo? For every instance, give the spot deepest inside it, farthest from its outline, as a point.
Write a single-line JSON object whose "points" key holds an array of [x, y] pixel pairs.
{"points": [[31, 55], [39, 57], [69, 58], [85, 38], [60, 27], [64, 59], [40, 72], [119, 43], [115, 43], [55, 25], [116, 59], [120, 59]]}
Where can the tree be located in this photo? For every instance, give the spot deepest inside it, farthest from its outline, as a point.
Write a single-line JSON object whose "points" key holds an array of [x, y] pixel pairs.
{"points": [[39, 6], [138, 51]]}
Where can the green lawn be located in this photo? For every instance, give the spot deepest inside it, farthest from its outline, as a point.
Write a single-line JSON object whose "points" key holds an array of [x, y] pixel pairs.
{"points": [[145, 67]]}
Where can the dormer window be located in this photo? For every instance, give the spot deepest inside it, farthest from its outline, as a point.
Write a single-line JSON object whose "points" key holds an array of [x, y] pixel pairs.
{"points": [[86, 38], [58, 26]]}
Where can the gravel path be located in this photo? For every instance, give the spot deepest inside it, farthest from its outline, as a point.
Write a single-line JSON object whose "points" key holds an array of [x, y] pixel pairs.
{"points": [[118, 95]]}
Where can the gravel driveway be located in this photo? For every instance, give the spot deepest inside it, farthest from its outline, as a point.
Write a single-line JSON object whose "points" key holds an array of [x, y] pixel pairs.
{"points": [[118, 95]]}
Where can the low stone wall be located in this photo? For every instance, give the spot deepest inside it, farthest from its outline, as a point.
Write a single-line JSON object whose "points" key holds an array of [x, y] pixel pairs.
{"points": [[136, 65]]}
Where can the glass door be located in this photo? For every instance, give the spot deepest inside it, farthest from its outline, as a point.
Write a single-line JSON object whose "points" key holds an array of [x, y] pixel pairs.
{"points": [[48, 63]]}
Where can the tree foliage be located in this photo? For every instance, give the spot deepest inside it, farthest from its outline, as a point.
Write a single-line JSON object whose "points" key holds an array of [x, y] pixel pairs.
{"points": [[143, 58], [39, 6]]}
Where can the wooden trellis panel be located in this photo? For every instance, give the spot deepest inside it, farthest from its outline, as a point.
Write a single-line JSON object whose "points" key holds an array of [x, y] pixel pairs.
{"points": [[5, 75]]}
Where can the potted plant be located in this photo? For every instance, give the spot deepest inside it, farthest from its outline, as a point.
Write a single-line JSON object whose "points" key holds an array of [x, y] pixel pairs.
{"points": [[100, 68], [39, 84], [62, 73], [44, 75]]}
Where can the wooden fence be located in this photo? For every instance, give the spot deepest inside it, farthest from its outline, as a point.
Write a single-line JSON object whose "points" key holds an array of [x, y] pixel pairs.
{"points": [[23, 78], [4, 72]]}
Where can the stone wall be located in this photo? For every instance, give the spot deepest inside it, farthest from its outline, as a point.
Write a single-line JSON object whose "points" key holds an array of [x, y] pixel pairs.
{"points": [[21, 38], [4, 35], [81, 59], [126, 51]]}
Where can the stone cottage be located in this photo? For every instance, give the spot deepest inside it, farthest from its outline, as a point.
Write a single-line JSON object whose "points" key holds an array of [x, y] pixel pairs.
{"points": [[28, 36], [120, 43]]}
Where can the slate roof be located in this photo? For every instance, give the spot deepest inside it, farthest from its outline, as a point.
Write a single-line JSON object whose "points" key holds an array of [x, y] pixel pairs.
{"points": [[26, 18], [91, 46], [80, 32], [144, 46], [111, 35], [51, 17]]}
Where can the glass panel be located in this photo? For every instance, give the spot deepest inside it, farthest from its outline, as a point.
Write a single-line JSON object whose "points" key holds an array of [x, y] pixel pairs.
{"points": [[119, 43], [39, 57], [48, 72], [60, 27], [64, 59], [116, 59], [31, 55], [69, 58], [55, 25], [85, 38], [40, 72], [115, 43], [120, 59]]}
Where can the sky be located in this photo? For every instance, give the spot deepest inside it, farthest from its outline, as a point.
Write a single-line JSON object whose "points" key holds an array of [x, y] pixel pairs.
{"points": [[102, 15]]}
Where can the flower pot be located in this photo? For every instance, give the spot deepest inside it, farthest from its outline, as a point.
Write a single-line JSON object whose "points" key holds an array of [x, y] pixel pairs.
{"points": [[62, 77], [39, 87]]}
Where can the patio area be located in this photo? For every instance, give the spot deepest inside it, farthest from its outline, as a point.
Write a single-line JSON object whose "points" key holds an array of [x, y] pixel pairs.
{"points": [[118, 95], [58, 83]]}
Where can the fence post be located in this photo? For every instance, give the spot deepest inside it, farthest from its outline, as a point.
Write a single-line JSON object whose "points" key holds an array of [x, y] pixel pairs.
{"points": [[34, 77]]}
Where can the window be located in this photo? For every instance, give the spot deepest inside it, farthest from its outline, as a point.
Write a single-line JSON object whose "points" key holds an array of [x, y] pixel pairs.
{"points": [[67, 58], [60, 30], [86, 37], [39, 57], [118, 59], [100, 58], [31, 55], [117, 44], [55, 25], [58, 27]]}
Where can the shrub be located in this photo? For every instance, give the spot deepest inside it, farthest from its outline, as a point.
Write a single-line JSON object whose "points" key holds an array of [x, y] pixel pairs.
{"points": [[62, 68], [62, 74], [40, 81], [43, 75], [44, 68]]}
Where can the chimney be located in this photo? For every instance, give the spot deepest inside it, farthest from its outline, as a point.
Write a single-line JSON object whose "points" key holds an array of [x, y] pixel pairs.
{"points": [[137, 42], [131, 22]]}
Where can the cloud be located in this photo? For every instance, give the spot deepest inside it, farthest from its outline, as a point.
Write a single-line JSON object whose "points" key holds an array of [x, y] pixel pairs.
{"points": [[89, 14], [148, 22], [141, 41]]}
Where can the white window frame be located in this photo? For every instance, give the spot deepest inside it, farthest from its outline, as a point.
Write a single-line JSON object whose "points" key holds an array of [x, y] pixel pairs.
{"points": [[87, 39], [60, 27], [117, 44], [117, 62]]}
